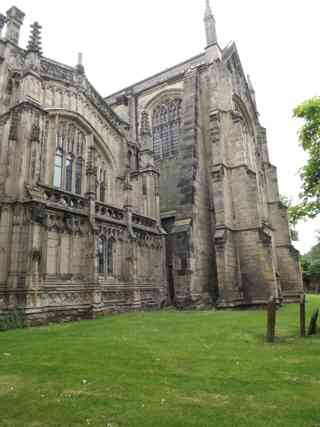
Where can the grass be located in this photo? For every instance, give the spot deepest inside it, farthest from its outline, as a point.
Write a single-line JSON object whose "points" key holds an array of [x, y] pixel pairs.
{"points": [[171, 369]]}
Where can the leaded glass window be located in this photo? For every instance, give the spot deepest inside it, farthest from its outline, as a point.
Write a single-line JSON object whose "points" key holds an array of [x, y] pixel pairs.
{"points": [[166, 128], [69, 167], [69, 163], [101, 254], [78, 182], [57, 173], [104, 256]]}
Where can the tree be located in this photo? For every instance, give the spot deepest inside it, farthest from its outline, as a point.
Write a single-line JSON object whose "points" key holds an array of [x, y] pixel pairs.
{"points": [[311, 266], [309, 136]]}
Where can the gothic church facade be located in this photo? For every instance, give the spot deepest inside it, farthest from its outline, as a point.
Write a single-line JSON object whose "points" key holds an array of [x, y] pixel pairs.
{"points": [[161, 193]]}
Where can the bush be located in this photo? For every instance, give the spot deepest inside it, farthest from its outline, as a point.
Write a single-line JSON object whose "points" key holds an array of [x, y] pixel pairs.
{"points": [[12, 320]]}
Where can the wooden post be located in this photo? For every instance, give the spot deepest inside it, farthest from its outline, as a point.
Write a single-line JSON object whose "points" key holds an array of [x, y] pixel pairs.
{"points": [[313, 322], [303, 316], [271, 323]]}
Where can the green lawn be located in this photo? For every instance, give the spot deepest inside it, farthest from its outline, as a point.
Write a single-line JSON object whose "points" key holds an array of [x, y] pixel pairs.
{"points": [[172, 369]]}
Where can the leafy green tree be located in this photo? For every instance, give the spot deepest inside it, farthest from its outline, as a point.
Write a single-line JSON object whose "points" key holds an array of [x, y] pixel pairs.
{"points": [[311, 265], [309, 136]]}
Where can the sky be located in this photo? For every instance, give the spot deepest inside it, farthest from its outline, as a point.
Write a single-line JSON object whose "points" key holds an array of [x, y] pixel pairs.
{"points": [[124, 41]]}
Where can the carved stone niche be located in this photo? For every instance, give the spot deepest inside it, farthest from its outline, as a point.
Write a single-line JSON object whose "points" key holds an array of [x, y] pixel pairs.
{"points": [[217, 173]]}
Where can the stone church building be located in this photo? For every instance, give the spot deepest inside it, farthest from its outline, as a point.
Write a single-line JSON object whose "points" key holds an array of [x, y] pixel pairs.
{"points": [[161, 193]]}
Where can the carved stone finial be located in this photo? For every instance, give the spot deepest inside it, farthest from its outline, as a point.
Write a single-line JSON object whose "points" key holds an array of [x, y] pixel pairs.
{"points": [[208, 8], [145, 124], [80, 67], [34, 44], [210, 24]]}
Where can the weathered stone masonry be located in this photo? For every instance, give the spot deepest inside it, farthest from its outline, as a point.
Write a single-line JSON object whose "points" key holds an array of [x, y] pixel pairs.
{"points": [[228, 239], [79, 225], [160, 193]]}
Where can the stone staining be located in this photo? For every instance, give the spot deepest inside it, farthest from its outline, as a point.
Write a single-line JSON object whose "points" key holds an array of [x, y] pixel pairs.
{"points": [[162, 193], [227, 239], [76, 236]]}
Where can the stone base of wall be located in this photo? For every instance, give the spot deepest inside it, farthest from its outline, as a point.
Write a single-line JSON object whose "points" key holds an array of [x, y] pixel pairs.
{"points": [[86, 302]]}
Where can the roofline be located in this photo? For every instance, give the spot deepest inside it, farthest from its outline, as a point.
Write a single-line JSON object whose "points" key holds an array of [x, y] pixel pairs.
{"points": [[155, 75]]}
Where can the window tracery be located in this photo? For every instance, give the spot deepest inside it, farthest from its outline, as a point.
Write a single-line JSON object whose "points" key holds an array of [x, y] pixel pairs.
{"points": [[69, 158], [166, 121]]}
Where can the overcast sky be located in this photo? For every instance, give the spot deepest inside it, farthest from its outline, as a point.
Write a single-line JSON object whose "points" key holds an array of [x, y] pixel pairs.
{"points": [[124, 41]]}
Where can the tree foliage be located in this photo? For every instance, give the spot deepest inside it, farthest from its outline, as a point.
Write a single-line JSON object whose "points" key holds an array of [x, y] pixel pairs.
{"points": [[309, 136], [311, 264]]}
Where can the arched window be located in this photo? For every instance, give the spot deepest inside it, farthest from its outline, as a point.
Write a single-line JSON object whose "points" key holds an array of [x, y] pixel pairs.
{"points": [[69, 170], [110, 256], [105, 256], [79, 167], [166, 123], [247, 137], [69, 163], [57, 173], [101, 255]]}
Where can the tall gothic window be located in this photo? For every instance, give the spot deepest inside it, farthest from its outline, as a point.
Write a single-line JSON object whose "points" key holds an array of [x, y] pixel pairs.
{"points": [[101, 254], [69, 163], [57, 173], [110, 256], [69, 168], [247, 138], [78, 183], [105, 256], [166, 123]]}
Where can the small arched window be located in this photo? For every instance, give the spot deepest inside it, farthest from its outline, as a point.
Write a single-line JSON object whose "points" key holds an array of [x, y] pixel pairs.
{"points": [[166, 122]]}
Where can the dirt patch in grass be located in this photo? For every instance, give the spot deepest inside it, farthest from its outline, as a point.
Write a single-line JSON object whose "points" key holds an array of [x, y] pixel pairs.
{"points": [[205, 399]]}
